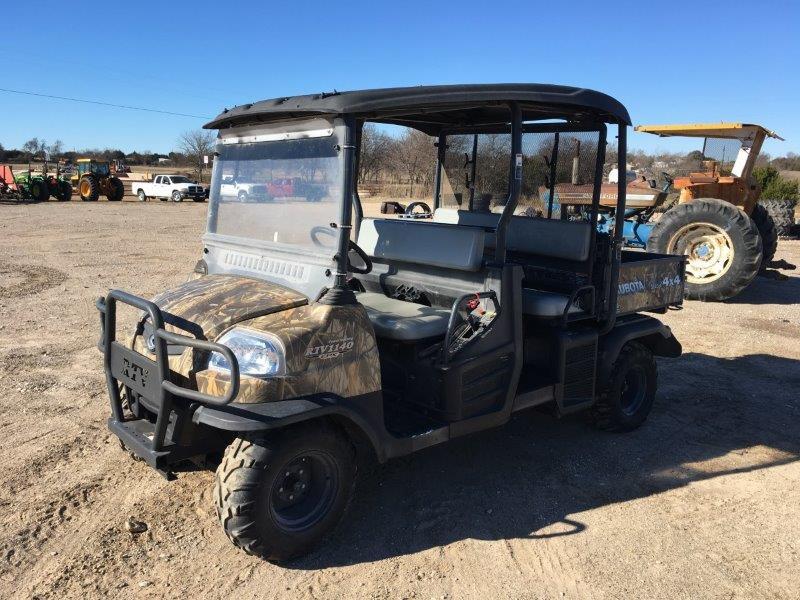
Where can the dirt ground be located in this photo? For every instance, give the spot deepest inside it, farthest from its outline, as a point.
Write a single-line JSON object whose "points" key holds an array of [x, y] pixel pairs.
{"points": [[701, 502]]}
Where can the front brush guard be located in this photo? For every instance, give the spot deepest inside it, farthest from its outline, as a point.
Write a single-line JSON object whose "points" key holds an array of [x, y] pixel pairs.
{"points": [[152, 379]]}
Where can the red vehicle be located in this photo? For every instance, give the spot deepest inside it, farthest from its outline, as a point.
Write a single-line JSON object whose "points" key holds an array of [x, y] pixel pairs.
{"points": [[295, 187]]}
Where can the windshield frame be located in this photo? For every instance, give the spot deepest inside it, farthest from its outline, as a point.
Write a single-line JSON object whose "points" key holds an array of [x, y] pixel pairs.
{"points": [[274, 134]]}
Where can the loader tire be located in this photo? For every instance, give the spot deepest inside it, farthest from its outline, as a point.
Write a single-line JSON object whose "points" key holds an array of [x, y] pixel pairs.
{"points": [[279, 496], [768, 232], [782, 213], [721, 243], [116, 190], [89, 189]]}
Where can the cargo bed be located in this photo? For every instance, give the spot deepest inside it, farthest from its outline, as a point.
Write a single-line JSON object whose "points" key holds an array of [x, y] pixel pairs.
{"points": [[649, 282]]}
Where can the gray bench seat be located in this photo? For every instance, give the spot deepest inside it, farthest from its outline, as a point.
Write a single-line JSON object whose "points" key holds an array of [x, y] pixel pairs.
{"points": [[403, 321]]}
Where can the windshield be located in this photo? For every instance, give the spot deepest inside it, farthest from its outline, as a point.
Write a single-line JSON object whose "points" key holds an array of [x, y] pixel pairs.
{"points": [[285, 192], [179, 179]]}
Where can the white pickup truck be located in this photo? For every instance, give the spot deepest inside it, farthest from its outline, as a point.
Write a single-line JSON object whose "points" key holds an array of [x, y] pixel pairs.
{"points": [[169, 187]]}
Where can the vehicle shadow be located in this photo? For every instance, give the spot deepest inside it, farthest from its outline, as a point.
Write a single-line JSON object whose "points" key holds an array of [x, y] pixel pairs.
{"points": [[773, 289], [526, 479]]}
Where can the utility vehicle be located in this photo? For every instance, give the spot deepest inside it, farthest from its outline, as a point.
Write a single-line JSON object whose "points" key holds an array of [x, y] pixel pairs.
{"points": [[310, 337]]}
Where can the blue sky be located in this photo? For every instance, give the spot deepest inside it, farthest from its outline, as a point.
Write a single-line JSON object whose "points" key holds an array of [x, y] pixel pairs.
{"points": [[667, 62]]}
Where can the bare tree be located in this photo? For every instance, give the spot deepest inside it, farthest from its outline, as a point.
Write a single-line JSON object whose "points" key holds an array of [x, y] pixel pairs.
{"points": [[414, 155], [195, 145], [35, 146], [55, 148], [376, 148]]}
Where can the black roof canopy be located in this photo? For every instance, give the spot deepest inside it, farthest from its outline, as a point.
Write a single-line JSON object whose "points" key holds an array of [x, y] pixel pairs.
{"points": [[435, 108]]}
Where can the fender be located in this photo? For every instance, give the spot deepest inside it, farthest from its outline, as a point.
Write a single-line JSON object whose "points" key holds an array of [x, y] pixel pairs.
{"points": [[364, 413], [646, 330]]}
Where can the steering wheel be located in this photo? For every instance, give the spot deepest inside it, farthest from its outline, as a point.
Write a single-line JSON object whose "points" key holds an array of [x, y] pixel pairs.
{"points": [[353, 247], [325, 231], [425, 214]]}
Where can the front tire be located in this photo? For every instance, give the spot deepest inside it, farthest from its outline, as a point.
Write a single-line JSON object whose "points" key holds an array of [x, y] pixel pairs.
{"points": [[176, 196], [279, 496], [721, 243], [89, 189], [628, 397]]}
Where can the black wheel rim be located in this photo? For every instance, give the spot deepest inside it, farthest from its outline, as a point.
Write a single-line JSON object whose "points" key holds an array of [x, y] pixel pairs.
{"points": [[634, 390], [304, 491]]}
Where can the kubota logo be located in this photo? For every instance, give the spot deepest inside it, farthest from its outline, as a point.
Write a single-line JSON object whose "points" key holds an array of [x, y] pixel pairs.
{"points": [[631, 287]]}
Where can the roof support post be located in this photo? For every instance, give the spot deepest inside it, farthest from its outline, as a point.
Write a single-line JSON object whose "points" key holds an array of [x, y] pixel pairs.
{"points": [[615, 257], [441, 148], [515, 183], [341, 293]]}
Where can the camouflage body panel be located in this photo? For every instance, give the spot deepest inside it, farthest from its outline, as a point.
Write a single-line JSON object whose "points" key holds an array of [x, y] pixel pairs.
{"points": [[649, 281], [215, 302], [329, 349]]}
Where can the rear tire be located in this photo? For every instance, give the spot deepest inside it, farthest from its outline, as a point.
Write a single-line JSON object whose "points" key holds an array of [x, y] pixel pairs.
{"points": [[782, 213], [279, 496], [64, 191], [768, 232], [40, 191], [116, 189], [722, 245], [628, 397], [89, 189], [142, 196]]}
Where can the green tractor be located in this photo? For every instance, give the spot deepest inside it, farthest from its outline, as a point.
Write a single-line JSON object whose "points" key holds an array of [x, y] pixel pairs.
{"points": [[40, 186], [93, 178]]}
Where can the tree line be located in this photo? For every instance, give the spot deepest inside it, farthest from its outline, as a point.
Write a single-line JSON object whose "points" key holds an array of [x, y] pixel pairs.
{"points": [[191, 146]]}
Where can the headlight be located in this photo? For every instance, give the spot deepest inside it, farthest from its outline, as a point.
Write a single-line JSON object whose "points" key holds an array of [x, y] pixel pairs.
{"points": [[258, 354]]}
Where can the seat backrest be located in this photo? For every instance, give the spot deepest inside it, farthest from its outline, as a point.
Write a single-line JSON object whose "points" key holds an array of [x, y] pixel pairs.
{"points": [[454, 216], [423, 243], [567, 240]]}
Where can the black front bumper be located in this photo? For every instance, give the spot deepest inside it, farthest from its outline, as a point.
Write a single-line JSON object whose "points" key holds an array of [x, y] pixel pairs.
{"points": [[171, 436]]}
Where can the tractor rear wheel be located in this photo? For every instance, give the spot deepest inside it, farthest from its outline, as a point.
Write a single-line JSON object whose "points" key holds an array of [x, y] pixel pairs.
{"points": [[116, 190], [89, 189], [39, 190], [782, 213], [768, 232], [64, 191], [721, 244]]}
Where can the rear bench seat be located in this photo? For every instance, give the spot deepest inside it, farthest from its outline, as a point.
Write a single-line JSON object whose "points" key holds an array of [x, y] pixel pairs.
{"points": [[566, 240]]}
